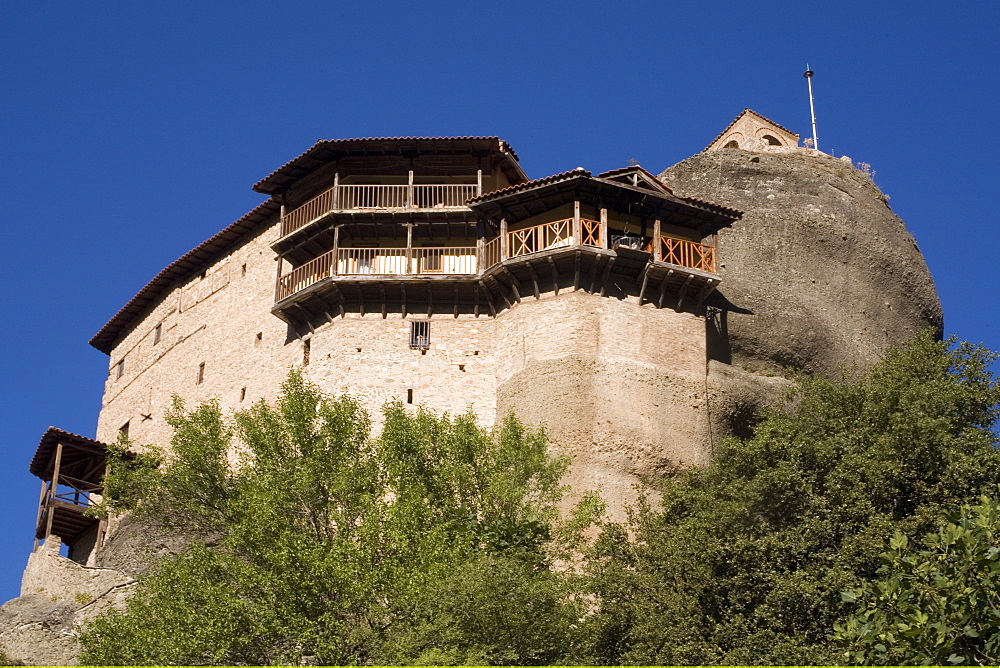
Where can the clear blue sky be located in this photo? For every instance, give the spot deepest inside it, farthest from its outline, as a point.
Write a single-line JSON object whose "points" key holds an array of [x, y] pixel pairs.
{"points": [[133, 131]]}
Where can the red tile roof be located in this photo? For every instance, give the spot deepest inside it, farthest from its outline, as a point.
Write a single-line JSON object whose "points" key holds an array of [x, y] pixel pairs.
{"points": [[518, 187], [300, 162]]}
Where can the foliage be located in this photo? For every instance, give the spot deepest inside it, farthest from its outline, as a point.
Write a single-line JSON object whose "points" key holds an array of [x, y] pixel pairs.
{"points": [[745, 560], [315, 542], [937, 605]]}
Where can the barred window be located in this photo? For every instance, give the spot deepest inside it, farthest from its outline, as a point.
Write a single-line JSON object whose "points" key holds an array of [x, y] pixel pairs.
{"points": [[420, 334]]}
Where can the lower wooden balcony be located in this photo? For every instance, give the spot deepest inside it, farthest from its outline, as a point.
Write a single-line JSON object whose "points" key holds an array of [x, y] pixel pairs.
{"points": [[494, 274]]}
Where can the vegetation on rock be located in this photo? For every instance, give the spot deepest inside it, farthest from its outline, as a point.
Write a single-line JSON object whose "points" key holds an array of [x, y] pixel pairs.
{"points": [[436, 542], [314, 542], [746, 560]]}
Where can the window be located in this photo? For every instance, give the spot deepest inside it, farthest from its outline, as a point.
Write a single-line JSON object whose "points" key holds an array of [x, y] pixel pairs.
{"points": [[201, 374], [409, 395], [123, 431], [306, 347], [243, 394], [731, 144], [771, 140], [120, 368], [420, 334], [260, 337], [157, 333]]}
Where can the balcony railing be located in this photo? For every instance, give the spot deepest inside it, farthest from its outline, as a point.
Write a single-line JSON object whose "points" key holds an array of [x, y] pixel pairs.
{"points": [[470, 261], [453, 260], [378, 197]]}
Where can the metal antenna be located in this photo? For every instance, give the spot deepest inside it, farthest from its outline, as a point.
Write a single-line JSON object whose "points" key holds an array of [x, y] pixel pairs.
{"points": [[812, 110]]}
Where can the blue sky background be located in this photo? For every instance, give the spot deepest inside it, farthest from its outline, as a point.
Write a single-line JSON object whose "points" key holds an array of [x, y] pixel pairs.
{"points": [[133, 131]]}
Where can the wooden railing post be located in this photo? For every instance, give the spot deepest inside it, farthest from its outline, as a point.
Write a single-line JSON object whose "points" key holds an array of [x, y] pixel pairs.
{"points": [[503, 240], [657, 251], [577, 227], [409, 244], [409, 192], [53, 490], [603, 241], [336, 250], [336, 190]]}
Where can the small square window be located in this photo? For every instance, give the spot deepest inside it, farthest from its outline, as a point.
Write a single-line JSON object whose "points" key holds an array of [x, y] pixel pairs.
{"points": [[201, 374], [306, 347], [120, 368], [123, 431], [157, 333], [420, 334]]}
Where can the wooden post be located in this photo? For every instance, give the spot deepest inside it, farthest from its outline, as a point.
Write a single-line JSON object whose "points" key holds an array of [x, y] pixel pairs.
{"points": [[479, 182], [657, 251], [577, 228], [503, 239], [49, 502], [604, 228], [409, 244], [277, 279], [336, 190], [335, 265], [38, 518], [480, 244], [409, 191]]}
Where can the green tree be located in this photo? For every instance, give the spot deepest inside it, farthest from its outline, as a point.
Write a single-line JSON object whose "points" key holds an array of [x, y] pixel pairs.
{"points": [[312, 541], [745, 560], [935, 605]]}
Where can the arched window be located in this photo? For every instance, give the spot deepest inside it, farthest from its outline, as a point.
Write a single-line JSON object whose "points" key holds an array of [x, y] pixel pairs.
{"points": [[731, 144], [772, 140]]}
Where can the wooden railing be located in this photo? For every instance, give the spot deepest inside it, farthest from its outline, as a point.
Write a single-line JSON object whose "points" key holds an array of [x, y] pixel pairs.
{"points": [[686, 253], [452, 260], [372, 196], [302, 277], [469, 261]]}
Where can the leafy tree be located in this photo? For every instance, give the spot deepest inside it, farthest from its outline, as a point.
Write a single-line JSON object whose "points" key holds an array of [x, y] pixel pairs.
{"points": [[936, 605], [745, 560], [314, 542]]}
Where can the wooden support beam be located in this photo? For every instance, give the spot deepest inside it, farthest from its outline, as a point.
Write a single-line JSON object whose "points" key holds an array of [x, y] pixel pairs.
{"points": [[361, 300], [657, 251], [663, 287], [534, 278], [489, 298], [336, 250], [607, 274], [514, 283], [430, 301], [645, 280], [593, 272], [502, 291], [504, 251], [402, 306], [53, 490], [336, 190], [409, 189], [683, 292], [706, 291], [479, 181], [576, 272], [475, 300], [555, 275], [456, 301], [381, 287], [340, 297], [38, 518]]}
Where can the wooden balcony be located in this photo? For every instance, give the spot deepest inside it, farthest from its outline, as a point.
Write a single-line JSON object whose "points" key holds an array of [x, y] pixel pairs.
{"points": [[659, 266], [373, 197]]}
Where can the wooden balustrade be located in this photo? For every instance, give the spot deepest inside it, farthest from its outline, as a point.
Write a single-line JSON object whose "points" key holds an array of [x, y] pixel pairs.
{"points": [[687, 253], [374, 196], [470, 261], [302, 277]]}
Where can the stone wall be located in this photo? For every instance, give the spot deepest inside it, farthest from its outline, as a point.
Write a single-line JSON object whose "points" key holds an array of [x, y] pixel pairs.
{"points": [[620, 386]]}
